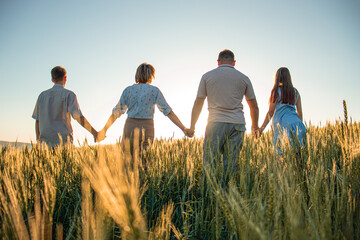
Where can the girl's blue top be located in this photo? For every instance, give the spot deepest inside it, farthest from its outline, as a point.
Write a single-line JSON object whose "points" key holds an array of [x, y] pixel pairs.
{"points": [[286, 118], [139, 101]]}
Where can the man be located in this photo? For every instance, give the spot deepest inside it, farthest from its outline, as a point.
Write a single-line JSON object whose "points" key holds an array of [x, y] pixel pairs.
{"points": [[224, 87], [53, 109]]}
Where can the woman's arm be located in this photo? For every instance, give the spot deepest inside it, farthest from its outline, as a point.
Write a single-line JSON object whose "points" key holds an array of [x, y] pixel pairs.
{"points": [[299, 108], [176, 121], [269, 115], [109, 123]]}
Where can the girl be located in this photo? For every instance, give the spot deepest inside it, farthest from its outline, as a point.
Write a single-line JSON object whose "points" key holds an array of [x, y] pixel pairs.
{"points": [[139, 100], [285, 102]]}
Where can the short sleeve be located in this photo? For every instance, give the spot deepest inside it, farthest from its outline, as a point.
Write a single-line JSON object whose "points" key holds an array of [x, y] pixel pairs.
{"points": [[73, 106], [35, 114], [297, 95], [162, 104], [121, 106], [249, 92], [202, 89]]}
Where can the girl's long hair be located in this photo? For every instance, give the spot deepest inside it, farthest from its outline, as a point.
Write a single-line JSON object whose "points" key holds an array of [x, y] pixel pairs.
{"points": [[283, 80]]}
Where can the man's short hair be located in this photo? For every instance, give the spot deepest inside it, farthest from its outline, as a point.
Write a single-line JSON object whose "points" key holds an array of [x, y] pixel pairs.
{"points": [[144, 73], [226, 56], [58, 73]]}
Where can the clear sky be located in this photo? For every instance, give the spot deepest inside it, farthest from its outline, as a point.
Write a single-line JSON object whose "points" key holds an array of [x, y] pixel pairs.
{"points": [[101, 43]]}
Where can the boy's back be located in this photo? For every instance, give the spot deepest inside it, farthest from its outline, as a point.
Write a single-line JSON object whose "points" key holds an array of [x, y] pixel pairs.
{"points": [[53, 109]]}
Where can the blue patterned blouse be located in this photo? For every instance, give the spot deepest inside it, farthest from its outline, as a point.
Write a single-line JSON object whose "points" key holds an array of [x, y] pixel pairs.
{"points": [[139, 101]]}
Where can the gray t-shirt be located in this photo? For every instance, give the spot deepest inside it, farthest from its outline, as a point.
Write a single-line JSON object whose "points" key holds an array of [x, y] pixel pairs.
{"points": [[53, 109], [224, 88]]}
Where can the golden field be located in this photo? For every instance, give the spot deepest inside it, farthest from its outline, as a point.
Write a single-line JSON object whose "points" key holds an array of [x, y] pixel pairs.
{"points": [[101, 192]]}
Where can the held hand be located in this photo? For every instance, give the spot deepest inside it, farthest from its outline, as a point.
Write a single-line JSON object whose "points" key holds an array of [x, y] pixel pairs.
{"points": [[189, 132], [95, 134], [100, 136], [256, 131]]}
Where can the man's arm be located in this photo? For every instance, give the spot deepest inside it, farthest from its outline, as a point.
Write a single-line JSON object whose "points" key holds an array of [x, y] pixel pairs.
{"points": [[37, 130], [254, 113], [196, 110]]}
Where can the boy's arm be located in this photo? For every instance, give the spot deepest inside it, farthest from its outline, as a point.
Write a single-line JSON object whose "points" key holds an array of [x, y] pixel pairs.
{"points": [[85, 123], [75, 111]]}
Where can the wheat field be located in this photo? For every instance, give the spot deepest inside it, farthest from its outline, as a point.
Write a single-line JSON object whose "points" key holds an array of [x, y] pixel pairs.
{"points": [[102, 192]]}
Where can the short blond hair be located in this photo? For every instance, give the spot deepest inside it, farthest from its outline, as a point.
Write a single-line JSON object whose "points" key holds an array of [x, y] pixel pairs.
{"points": [[145, 73]]}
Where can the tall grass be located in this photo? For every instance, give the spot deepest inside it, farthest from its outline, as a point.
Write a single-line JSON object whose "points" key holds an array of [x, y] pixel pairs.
{"points": [[102, 192]]}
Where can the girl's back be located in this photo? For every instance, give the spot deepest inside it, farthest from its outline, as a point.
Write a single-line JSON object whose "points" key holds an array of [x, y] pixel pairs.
{"points": [[287, 119], [285, 108], [285, 113]]}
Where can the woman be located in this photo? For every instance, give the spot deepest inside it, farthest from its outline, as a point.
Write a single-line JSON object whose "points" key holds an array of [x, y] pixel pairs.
{"points": [[285, 102], [139, 101]]}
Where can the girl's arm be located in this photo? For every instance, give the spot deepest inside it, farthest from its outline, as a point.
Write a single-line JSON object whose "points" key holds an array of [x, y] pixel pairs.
{"points": [[299, 108], [176, 121], [269, 115]]}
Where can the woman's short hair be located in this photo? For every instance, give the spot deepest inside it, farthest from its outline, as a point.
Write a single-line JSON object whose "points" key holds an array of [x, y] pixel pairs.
{"points": [[58, 73], [144, 73]]}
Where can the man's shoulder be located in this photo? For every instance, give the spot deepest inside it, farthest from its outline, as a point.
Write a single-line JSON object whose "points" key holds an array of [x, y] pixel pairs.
{"points": [[233, 71], [239, 73], [243, 76], [211, 72]]}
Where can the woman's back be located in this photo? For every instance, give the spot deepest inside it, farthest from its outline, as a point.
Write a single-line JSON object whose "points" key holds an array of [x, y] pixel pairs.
{"points": [[139, 100]]}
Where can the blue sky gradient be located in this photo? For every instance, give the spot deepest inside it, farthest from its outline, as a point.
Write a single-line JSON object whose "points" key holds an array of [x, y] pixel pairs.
{"points": [[101, 43]]}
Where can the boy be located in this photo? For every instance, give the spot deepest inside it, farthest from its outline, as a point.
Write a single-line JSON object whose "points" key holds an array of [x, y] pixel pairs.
{"points": [[53, 109]]}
